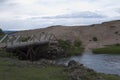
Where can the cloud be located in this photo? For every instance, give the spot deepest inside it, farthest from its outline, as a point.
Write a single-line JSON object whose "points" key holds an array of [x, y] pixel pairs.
{"points": [[3, 1], [75, 15], [118, 10], [85, 14], [40, 13]]}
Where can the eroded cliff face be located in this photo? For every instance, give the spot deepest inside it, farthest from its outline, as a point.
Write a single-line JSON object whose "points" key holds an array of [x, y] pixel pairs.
{"points": [[92, 36]]}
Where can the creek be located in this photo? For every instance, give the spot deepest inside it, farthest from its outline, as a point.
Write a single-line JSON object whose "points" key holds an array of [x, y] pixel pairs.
{"points": [[104, 63]]}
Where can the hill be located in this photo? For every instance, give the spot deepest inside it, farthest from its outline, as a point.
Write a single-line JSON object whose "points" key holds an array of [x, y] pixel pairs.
{"points": [[92, 36]]}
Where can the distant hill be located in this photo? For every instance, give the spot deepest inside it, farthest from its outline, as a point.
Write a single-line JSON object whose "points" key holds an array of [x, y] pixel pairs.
{"points": [[92, 36], [9, 32]]}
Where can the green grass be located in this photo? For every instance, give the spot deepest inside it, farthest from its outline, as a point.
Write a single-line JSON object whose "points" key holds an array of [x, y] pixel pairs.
{"points": [[4, 53], [13, 69], [10, 70], [74, 51], [110, 77], [71, 48], [107, 50]]}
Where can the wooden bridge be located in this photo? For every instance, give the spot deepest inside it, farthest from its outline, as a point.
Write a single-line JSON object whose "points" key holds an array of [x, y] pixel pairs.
{"points": [[33, 47]]}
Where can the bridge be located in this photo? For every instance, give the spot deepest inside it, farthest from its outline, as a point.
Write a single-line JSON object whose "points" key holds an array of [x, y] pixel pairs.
{"points": [[33, 47]]}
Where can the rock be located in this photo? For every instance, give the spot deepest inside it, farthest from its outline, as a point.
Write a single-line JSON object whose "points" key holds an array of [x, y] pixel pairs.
{"points": [[73, 63], [74, 76], [43, 62], [78, 72], [46, 61]]}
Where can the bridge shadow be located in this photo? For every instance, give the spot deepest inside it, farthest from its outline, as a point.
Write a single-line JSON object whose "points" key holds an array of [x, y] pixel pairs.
{"points": [[32, 47]]}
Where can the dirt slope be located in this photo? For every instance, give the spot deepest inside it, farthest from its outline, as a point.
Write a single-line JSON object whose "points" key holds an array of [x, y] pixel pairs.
{"points": [[106, 33]]}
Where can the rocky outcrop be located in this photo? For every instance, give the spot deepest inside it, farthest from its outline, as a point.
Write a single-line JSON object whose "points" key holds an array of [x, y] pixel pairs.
{"points": [[78, 72]]}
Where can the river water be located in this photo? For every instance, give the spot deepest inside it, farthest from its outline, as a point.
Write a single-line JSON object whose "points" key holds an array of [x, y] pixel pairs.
{"points": [[103, 63]]}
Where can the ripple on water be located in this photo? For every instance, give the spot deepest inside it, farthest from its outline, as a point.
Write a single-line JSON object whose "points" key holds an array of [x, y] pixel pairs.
{"points": [[104, 63]]}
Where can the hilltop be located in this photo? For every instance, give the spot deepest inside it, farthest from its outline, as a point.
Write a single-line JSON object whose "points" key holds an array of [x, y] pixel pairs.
{"points": [[92, 36]]}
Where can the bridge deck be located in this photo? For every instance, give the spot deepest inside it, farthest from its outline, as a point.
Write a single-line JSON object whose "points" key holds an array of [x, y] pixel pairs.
{"points": [[17, 45], [15, 41]]}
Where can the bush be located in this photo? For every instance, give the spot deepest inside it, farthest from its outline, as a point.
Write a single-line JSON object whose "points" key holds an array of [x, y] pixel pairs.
{"points": [[64, 43], [1, 32], [112, 26], [95, 39], [116, 32], [77, 43], [71, 48]]}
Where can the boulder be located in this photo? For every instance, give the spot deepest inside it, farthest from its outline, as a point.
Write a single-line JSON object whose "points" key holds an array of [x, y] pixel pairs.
{"points": [[73, 63]]}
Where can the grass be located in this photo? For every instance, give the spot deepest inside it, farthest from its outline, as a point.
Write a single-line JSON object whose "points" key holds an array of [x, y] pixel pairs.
{"points": [[4, 53], [108, 50], [74, 51], [13, 69], [9, 70], [110, 77], [71, 48]]}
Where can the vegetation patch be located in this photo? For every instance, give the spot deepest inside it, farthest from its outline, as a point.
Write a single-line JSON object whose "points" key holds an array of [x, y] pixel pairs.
{"points": [[4, 53], [111, 49], [1, 32], [110, 77], [71, 48], [116, 32], [95, 39], [14, 69], [20, 70], [113, 26]]}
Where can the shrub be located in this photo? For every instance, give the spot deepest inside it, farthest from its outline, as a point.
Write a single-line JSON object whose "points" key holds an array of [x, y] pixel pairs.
{"points": [[71, 48], [112, 26], [95, 39], [64, 43], [1, 32], [77, 43], [116, 44], [116, 32]]}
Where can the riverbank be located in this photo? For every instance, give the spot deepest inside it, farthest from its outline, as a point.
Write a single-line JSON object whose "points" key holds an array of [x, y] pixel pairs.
{"points": [[71, 48], [14, 69], [112, 49]]}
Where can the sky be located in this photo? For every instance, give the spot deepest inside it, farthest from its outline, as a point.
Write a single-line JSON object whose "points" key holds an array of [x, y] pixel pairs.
{"points": [[32, 14]]}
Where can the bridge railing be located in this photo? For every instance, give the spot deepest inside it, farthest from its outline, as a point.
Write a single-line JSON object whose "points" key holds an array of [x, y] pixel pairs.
{"points": [[11, 40]]}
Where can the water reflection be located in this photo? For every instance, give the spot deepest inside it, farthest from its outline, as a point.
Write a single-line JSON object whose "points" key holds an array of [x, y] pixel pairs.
{"points": [[99, 62]]}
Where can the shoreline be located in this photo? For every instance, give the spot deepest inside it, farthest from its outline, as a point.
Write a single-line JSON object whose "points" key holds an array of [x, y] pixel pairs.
{"points": [[72, 71]]}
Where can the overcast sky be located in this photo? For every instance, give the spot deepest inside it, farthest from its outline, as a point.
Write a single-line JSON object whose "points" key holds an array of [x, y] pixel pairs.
{"points": [[31, 14]]}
